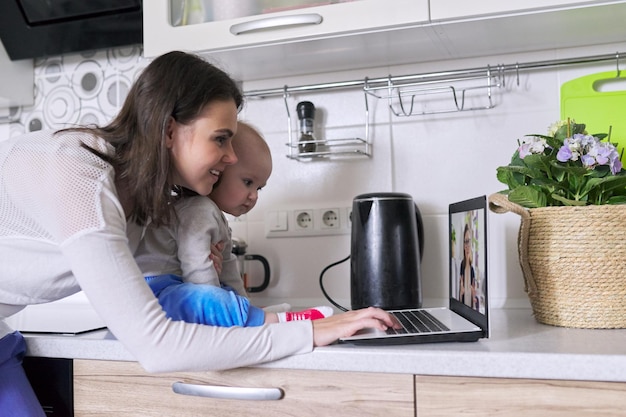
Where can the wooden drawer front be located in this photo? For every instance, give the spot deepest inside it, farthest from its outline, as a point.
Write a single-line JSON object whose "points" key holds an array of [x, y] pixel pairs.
{"points": [[124, 389], [455, 396]]}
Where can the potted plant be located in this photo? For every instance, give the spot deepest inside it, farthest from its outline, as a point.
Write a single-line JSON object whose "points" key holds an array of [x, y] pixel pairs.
{"points": [[569, 188]]}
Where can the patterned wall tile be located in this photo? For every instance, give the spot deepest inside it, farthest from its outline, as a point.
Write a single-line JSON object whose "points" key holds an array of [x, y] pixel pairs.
{"points": [[80, 89]]}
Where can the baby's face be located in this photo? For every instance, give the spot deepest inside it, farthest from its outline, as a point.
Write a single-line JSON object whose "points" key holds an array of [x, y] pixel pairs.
{"points": [[239, 186]]}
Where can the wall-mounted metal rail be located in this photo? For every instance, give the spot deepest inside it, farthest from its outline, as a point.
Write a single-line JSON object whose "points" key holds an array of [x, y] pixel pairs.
{"points": [[440, 76], [454, 91]]}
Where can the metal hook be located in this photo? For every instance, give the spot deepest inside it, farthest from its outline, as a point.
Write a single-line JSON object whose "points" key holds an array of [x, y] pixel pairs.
{"points": [[367, 114], [289, 125], [517, 72], [285, 95], [617, 63]]}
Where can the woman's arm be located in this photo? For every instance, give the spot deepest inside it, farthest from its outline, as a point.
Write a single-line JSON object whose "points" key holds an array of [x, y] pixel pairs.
{"points": [[108, 275]]}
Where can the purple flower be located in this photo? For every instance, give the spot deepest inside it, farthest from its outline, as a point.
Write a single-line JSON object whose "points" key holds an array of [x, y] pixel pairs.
{"points": [[564, 154], [603, 155], [588, 161], [616, 165], [524, 150], [590, 151], [532, 145]]}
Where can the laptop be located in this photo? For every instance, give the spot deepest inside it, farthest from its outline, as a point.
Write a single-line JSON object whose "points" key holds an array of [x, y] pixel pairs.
{"points": [[466, 318], [59, 319]]}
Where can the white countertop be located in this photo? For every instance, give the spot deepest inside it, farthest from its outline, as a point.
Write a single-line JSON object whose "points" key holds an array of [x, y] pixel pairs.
{"points": [[519, 347]]}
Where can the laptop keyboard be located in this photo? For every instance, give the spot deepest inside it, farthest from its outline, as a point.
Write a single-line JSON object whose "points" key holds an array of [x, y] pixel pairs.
{"points": [[416, 321]]}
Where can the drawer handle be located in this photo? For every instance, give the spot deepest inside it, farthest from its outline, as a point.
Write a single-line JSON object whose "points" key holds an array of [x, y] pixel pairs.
{"points": [[276, 23], [228, 393]]}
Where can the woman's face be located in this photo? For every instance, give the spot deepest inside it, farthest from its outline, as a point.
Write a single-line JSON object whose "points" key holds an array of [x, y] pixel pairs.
{"points": [[202, 149], [467, 245]]}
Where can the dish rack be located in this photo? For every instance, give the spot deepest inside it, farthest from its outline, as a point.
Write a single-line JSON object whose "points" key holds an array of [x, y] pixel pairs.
{"points": [[472, 91], [406, 96]]}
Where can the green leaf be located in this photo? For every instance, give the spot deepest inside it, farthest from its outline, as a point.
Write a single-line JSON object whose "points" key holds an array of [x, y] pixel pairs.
{"points": [[602, 189], [507, 176], [578, 128], [599, 172], [528, 196], [577, 171], [621, 199], [538, 161], [568, 202], [608, 183], [600, 135], [554, 142]]}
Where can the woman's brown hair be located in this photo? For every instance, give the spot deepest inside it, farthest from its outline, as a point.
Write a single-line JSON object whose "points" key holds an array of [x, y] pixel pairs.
{"points": [[177, 85]]}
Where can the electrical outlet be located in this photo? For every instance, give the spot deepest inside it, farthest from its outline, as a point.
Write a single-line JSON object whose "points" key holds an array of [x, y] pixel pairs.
{"points": [[303, 219], [330, 218], [308, 222]]}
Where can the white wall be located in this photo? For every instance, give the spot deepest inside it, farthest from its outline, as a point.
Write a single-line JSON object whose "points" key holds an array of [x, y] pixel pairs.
{"points": [[437, 159]]}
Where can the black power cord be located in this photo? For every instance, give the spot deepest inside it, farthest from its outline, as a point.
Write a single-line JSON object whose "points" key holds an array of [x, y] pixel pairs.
{"points": [[322, 283]]}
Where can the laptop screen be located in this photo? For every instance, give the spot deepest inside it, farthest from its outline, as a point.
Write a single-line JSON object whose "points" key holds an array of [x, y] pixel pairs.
{"points": [[468, 260]]}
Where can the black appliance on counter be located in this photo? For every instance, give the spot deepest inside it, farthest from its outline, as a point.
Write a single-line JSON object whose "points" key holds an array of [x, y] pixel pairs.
{"points": [[41, 28], [386, 251]]}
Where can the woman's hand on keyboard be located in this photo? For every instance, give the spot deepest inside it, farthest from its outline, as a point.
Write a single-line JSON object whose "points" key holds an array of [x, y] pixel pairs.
{"points": [[328, 330]]}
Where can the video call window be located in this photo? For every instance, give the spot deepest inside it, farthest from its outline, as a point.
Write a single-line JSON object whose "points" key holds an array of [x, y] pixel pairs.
{"points": [[467, 258]]}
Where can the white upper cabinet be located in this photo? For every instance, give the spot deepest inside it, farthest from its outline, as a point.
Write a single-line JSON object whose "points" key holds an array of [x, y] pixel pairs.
{"points": [[252, 40], [294, 41], [238, 23], [16, 82], [485, 27], [458, 9]]}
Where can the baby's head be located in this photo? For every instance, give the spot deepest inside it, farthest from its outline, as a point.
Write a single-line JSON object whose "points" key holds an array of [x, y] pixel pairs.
{"points": [[238, 188]]}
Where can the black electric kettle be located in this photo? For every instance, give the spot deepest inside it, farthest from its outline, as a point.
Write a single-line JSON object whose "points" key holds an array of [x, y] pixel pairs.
{"points": [[239, 249], [386, 251]]}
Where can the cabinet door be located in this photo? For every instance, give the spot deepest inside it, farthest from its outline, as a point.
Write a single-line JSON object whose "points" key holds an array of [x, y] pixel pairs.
{"points": [[20, 90], [103, 388], [488, 27], [161, 36], [455, 9], [437, 396]]}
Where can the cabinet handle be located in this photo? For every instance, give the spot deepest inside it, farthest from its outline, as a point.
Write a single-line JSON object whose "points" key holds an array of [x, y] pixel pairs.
{"points": [[276, 23], [228, 393]]}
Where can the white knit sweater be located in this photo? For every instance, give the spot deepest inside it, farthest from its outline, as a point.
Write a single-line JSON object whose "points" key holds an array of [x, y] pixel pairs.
{"points": [[62, 229]]}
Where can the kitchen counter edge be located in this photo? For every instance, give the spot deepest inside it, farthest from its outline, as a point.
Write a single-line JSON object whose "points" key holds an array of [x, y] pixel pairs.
{"points": [[518, 347]]}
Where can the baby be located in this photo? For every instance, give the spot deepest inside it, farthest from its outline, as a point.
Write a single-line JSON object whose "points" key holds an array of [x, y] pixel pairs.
{"points": [[176, 260]]}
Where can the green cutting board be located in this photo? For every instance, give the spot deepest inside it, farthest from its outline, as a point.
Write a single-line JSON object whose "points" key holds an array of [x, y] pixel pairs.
{"points": [[582, 101]]}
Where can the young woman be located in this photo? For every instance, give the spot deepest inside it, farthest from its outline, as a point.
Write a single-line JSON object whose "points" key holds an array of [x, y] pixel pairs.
{"points": [[73, 205], [467, 281], [175, 259]]}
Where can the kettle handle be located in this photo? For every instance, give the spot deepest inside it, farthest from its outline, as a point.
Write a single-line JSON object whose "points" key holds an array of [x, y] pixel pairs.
{"points": [[266, 272], [420, 231]]}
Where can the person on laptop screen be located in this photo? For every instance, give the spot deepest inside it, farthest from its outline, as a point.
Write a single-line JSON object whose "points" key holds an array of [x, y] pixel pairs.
{"points": [[470, 292]]}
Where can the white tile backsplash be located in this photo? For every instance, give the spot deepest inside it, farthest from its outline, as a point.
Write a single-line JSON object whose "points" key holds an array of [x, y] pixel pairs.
{"points": [[437, 159]]}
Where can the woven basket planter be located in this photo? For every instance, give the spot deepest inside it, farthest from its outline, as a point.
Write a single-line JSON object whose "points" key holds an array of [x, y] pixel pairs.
{"points": [[574, 262]]}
